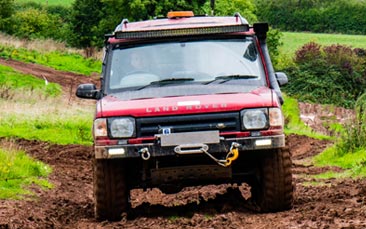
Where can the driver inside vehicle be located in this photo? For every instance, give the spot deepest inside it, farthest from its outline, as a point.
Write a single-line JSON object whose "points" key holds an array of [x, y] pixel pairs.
{"points": [[137, 71], [138, 63]]}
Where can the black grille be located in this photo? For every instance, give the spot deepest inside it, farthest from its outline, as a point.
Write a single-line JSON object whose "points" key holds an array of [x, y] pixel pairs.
{"points": [[188, 123]]}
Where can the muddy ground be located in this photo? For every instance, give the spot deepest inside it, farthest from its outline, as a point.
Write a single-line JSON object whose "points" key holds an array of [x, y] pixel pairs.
{"points": [[333, 204]]}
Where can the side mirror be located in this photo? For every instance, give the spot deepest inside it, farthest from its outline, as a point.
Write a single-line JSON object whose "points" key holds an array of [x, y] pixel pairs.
{"points": [[281, 78], [88, 91]]}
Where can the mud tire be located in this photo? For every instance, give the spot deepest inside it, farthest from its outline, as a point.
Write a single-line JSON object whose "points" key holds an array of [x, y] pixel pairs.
{"points": [[110, 190], [275, 187]]}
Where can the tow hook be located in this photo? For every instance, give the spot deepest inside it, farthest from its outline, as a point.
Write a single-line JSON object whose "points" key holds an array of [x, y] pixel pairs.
{"points": [[145, 154], [231, 156]]}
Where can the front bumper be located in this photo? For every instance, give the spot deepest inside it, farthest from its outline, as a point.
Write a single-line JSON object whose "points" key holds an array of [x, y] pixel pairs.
{"points": [[157, 150]]}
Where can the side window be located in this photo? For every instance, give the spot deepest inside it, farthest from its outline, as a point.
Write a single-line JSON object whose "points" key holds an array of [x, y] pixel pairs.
{"points": [[117, 68], [251, 52]]}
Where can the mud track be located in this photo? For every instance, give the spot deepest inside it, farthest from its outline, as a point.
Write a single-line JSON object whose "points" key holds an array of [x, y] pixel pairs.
{"points": [[335, 204], [68, 80]]}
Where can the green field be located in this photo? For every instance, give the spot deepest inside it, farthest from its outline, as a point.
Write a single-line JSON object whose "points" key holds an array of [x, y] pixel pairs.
{"points": [[293, 41], [19, 171], [49, 2]]}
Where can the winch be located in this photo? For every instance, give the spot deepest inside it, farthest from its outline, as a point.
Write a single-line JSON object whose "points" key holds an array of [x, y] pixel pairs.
{"points": [[231, 156]]}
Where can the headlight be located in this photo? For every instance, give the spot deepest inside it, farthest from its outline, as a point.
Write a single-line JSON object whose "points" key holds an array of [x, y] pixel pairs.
{"points": [[254, 119], [275, 117], [100, 127], [122, 127]]}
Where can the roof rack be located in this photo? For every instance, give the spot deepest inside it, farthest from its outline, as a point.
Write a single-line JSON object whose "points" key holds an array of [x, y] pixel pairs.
{"points": [[123, 23], [242, 19], [241, 25], [181, 32]]}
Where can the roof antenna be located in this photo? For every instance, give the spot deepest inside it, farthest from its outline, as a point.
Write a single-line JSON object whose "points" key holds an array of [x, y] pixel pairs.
{"points": [[212, 7]]}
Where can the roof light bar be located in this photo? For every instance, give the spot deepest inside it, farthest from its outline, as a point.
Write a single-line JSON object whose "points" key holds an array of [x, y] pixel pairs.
{"points": [[181, 32]]}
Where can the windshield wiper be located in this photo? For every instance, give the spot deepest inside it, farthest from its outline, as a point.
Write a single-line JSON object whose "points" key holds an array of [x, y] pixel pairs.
{"points": [[166, 81], [231, 77]]}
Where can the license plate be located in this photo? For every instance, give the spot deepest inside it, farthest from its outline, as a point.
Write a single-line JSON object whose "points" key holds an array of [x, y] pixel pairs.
{"points": [[203, 137]]}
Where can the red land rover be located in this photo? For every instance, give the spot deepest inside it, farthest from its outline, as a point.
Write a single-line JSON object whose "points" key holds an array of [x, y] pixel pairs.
{"points": [[188, 100]]}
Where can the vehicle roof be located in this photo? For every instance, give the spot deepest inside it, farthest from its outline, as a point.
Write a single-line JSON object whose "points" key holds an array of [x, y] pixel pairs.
{"points": [[181, 22]]}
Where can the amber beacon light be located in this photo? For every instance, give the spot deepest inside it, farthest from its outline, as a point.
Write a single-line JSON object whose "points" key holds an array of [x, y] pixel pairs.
{"points": [[178, 14]]}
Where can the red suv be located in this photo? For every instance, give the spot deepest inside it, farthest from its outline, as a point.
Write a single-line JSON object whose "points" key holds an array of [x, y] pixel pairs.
{"points": [[188, 100]]}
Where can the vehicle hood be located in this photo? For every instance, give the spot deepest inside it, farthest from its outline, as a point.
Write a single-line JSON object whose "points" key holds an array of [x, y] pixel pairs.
{"points": [[112, 105]]}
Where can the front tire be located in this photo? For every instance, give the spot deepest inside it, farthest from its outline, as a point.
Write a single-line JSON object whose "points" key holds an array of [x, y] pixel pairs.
{"points": [[274, 190], [110, 190]]}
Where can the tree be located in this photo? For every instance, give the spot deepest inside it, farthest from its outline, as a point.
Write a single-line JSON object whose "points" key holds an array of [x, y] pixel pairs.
{"points": [[246, 8], [85, 18], [6, 10], [34, 23], [136, 10], [91, 19]]}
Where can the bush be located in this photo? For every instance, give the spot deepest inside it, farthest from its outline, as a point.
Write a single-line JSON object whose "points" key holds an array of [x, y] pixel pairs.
{"points": [[332, 74], [321, 16], [354, 136], [6, 10], [274, 42], [34, 23], [246, 8]]}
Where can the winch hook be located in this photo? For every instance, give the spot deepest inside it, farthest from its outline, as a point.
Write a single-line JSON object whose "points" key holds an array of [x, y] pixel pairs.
{"points": [[233, 154]]}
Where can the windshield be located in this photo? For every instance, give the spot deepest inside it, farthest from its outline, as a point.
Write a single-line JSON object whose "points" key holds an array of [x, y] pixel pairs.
{"points": [[204, 62]]}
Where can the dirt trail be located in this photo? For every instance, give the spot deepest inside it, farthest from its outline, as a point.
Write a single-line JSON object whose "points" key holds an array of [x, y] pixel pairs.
{"points": [[68, 80], [335, 204]]}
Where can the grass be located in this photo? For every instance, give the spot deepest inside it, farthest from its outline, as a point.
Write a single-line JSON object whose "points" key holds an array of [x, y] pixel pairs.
{"points": [[333, 175], [349, 150], [31, 110], [293, 122], [70, 62], [292, 41], [50, 120], [49, 2], [353, 163], [10, 81], [41, 45], [18, 171], [315, 184]]}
